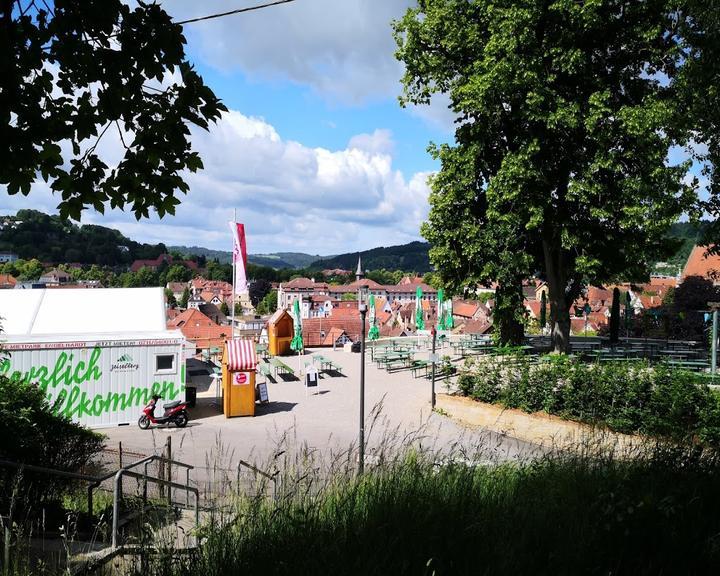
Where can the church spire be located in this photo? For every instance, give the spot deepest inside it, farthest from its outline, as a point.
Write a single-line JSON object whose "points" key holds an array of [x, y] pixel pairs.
{"points": [[359, 272]]}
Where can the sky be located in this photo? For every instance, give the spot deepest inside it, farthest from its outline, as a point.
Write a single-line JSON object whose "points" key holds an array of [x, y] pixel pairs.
{"points": [[315, 154]]}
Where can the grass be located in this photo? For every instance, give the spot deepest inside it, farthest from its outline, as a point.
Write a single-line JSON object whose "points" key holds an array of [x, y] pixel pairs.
{"points": [[449, 510], [652, 512]]}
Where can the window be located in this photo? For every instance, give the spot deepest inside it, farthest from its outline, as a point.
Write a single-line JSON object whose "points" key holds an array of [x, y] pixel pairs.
{"points": [[165, 363]]}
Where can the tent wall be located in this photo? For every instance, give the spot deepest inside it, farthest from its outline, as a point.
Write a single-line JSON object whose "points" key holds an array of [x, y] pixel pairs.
{"points": [[101, 383]]}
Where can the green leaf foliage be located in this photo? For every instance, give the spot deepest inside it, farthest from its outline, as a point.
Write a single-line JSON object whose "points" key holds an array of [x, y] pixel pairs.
{"points": [[565, 115], [630, 397], [84, 70]]}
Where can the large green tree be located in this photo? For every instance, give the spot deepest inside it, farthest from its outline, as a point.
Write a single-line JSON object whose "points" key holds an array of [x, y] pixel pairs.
{"points": [[73, 71], [566, 111]]}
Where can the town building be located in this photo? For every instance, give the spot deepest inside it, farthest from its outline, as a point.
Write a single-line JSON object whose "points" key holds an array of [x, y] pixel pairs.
{"points": [[196, 327], [55, 277]]}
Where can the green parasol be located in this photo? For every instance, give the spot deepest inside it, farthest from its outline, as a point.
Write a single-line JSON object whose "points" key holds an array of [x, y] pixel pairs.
{"points": [[419, 320], [448, 315], [440, 310], [374, 332], [297, 341]]}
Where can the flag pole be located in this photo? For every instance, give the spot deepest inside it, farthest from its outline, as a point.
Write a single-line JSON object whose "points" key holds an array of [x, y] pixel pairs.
{"points": [[232, 298]]}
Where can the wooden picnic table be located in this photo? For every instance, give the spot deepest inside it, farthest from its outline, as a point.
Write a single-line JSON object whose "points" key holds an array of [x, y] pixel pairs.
{"points": [[383, 348], [394, 360], [326, 364], [280, 366], [693, 365]]}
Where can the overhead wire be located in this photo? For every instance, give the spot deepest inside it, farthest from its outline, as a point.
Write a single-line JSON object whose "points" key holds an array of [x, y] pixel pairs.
{"points": [[231, 12]]}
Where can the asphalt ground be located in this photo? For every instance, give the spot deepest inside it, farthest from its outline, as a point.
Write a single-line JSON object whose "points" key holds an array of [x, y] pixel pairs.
{"points": [[324, 421]]}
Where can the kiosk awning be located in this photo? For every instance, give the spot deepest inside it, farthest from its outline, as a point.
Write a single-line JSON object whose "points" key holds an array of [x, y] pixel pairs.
{"points": [[241, 354]]}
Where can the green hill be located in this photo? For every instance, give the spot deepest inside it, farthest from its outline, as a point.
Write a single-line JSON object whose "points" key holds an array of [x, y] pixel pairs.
{"points": [[32, 234], [277, 260], [408, 257]]}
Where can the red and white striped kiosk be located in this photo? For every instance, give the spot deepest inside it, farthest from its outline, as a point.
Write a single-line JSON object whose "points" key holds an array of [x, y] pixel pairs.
{"points": [[238, 377]]}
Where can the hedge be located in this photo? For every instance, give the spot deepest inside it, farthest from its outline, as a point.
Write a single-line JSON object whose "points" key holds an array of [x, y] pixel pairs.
{"points": [[629, 397]]}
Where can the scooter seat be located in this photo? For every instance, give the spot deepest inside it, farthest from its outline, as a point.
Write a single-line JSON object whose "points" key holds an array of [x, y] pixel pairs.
{"points": [[171, 405]]}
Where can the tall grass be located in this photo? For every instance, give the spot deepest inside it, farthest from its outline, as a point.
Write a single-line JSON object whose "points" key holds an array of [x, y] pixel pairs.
{"points": [[656, 512]]}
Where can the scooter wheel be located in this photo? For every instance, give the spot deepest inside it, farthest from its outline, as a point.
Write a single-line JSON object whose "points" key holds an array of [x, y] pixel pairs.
{"points": [[144, 422], [181, 420]]}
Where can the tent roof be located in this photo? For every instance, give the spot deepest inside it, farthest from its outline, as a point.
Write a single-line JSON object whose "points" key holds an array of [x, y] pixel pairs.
{"points": [[241, 354], [106, 311]]}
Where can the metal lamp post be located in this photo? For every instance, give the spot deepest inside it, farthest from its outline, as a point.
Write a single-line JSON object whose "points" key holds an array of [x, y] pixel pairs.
{"points": [[362, 306], [434, 359]]}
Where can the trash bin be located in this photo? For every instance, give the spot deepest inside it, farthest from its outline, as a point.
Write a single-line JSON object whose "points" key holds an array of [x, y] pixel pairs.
{"points": [[191, 395]]}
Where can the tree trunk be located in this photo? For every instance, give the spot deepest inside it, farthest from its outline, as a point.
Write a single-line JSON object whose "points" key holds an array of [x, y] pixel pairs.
{"points": [[507, 314], [557, 280]]}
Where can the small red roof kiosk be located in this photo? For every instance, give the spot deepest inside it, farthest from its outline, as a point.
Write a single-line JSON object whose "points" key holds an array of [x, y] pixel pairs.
{"points": [[238, 377]]}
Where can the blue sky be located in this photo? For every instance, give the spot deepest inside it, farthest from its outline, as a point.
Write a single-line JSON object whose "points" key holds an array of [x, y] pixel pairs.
{"points": [[302, 114], [315, 153]]}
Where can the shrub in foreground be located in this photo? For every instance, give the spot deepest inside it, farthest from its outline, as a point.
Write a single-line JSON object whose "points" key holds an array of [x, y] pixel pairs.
{"points": [[31, 432], [653, 514]]}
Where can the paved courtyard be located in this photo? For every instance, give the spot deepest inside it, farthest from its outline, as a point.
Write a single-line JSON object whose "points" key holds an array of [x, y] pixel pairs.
{"points": [[396, 405]]}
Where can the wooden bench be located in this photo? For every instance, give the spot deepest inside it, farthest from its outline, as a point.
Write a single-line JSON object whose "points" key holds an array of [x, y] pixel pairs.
{"points": [[420, 365], [280, 367]]}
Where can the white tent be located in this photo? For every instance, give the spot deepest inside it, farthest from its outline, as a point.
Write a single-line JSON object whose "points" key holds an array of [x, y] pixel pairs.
{"points": [[99, 353]]}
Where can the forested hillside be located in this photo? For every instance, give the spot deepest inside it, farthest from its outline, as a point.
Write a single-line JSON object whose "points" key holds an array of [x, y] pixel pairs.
{"points": [[412, 256], [32, 234]]}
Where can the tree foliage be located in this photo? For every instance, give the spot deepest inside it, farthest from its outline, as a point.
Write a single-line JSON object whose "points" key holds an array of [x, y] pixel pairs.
{"points": [[268, 304], [77, 70], [565, 115], [258, 290]]}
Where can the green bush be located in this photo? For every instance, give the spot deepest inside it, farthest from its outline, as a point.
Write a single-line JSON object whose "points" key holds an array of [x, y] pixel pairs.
{"points": [[631, 397], [33, 433]]}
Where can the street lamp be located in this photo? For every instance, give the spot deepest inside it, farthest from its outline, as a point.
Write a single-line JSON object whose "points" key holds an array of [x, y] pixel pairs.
{"points": [[362, 307]]}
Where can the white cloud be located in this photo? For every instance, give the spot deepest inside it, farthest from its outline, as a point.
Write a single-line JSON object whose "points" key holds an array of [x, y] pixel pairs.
{"points": [[379, 142], [290, 196], [343, 49]]}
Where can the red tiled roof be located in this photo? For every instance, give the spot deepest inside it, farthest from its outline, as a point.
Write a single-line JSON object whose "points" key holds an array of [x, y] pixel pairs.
{"points": [[473, 327], [411, 280], [534, 307], [206, 295], [7, 280], [664, 282], [595, 294], [200, 329], [465, 309], [409, 289], [201, 283], [700, 265], [316, 330], [346, 312], [172, 313], [299, 283], [371, 284]]}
